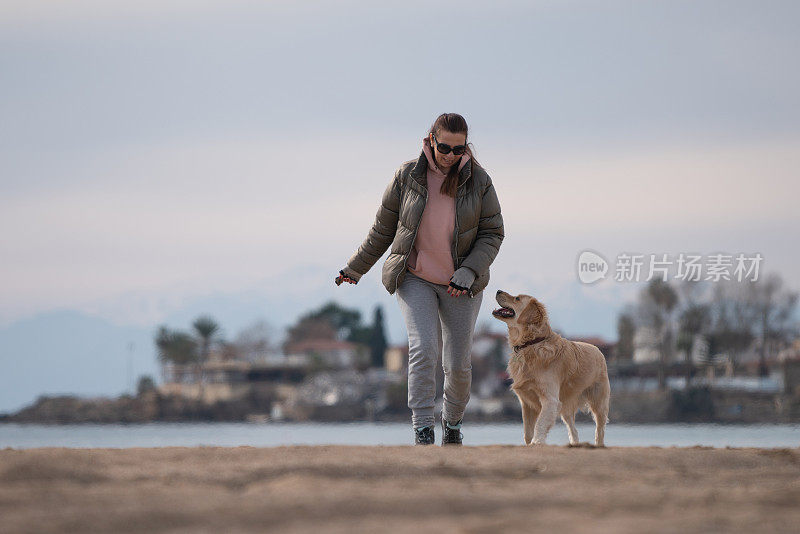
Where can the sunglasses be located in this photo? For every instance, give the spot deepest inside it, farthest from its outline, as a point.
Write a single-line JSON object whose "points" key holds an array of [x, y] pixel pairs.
{"points": [[445, 149]]}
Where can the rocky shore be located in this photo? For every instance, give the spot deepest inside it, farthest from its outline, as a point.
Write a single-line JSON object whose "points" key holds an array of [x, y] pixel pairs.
{"points": [[704, 406]]}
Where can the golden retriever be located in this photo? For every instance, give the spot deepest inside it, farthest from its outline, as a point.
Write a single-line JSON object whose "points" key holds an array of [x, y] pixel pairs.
{"points": [[552, 375]]}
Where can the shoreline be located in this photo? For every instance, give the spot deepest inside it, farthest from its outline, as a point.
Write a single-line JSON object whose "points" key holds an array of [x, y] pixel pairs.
{"points": [[188, 434], [789, 451]]}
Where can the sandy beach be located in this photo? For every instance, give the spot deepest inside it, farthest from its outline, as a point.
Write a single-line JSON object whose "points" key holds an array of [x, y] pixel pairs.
{"points": [[399, 489]]}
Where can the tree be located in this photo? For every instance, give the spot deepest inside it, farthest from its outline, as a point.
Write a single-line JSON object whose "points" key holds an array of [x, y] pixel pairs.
{"points": [[377, 341], [343, 320], [309, 328], [657, 302], [625, 333], [331, 321], [206, 328], [733, 320], [175, 347], [255, 340], [229, 351], [693, 320], [146, 384], [774, 309]]}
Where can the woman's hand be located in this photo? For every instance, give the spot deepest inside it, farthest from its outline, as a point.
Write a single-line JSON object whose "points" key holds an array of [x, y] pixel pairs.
{"points": [[460, 282], [454, 292], [347, 275]]}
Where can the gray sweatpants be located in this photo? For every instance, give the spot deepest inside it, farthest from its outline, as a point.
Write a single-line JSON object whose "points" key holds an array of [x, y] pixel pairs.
{"points": [[430, 312]]}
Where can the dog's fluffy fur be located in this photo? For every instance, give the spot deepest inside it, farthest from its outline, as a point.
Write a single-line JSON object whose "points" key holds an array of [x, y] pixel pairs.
{"points": [[552, 377]]}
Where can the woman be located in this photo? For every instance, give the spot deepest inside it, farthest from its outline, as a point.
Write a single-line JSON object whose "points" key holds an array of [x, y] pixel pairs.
{"points": [[441, 216]]}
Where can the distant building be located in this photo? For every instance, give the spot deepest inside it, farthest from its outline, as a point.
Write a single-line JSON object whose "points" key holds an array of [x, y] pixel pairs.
{"points": [[790, 353], [225, 380], [790, 368], [334, 353], [749, 360], [485, 343], [490, 354], [646, 343], [396, 359], [699, 355]]}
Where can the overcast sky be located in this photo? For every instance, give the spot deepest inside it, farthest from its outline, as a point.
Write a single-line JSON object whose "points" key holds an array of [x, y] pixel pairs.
{"points": [[155, 152]]}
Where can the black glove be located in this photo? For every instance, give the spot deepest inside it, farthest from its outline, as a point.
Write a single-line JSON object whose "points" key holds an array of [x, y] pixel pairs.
{"points": [[349, 274], [462, 279]]}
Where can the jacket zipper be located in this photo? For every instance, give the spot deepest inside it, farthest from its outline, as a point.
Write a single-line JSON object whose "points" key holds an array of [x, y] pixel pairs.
{"points": [[405, 259]]}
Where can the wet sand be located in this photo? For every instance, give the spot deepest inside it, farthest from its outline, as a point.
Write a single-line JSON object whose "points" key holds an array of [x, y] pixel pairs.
{"points": [[399, 489]]}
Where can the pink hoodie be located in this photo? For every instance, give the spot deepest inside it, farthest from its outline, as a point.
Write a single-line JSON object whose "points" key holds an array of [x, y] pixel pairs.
{"points": [[431, 257]]}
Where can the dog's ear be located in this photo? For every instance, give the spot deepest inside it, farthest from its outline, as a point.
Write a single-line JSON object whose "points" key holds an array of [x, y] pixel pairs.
{"points": [[533, 313]]}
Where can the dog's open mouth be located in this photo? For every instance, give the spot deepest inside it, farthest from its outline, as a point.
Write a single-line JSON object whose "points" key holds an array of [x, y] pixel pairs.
{"points": [[503, 312]]}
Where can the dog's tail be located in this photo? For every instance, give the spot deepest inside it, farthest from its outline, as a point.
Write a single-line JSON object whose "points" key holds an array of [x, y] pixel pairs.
{"points": [[585, 408], [596, 396]]}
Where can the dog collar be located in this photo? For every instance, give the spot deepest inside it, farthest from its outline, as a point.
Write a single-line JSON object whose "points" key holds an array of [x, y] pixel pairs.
{"points": [[531, 342]]}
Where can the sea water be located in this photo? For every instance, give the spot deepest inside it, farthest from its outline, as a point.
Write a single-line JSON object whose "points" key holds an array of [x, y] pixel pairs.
{"points": [[22, 436]]}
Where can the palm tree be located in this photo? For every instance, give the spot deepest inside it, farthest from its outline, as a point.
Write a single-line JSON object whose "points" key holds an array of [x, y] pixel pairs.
{"points": [[175, 347], [693, 320], [665, 298], [206, 329]]}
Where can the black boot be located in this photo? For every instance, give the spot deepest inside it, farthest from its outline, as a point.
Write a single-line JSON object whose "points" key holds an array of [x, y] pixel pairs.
{"points": [[451, 433], [424, 436]]}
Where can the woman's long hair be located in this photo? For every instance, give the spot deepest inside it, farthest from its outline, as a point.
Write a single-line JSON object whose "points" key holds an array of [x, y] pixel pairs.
{"points": [[453, 123]]}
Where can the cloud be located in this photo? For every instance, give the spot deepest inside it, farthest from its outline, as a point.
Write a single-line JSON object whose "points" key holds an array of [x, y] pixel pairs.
{"points": [[653, 187], [160, 150], [226, 213]]}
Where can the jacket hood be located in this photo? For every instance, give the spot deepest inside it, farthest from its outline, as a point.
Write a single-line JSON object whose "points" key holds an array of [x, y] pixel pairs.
{"points": [[428, 150], [426, 161]]}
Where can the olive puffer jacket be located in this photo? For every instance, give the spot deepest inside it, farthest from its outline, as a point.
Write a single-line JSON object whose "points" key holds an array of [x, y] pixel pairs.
{"points": [[478, 227]]}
